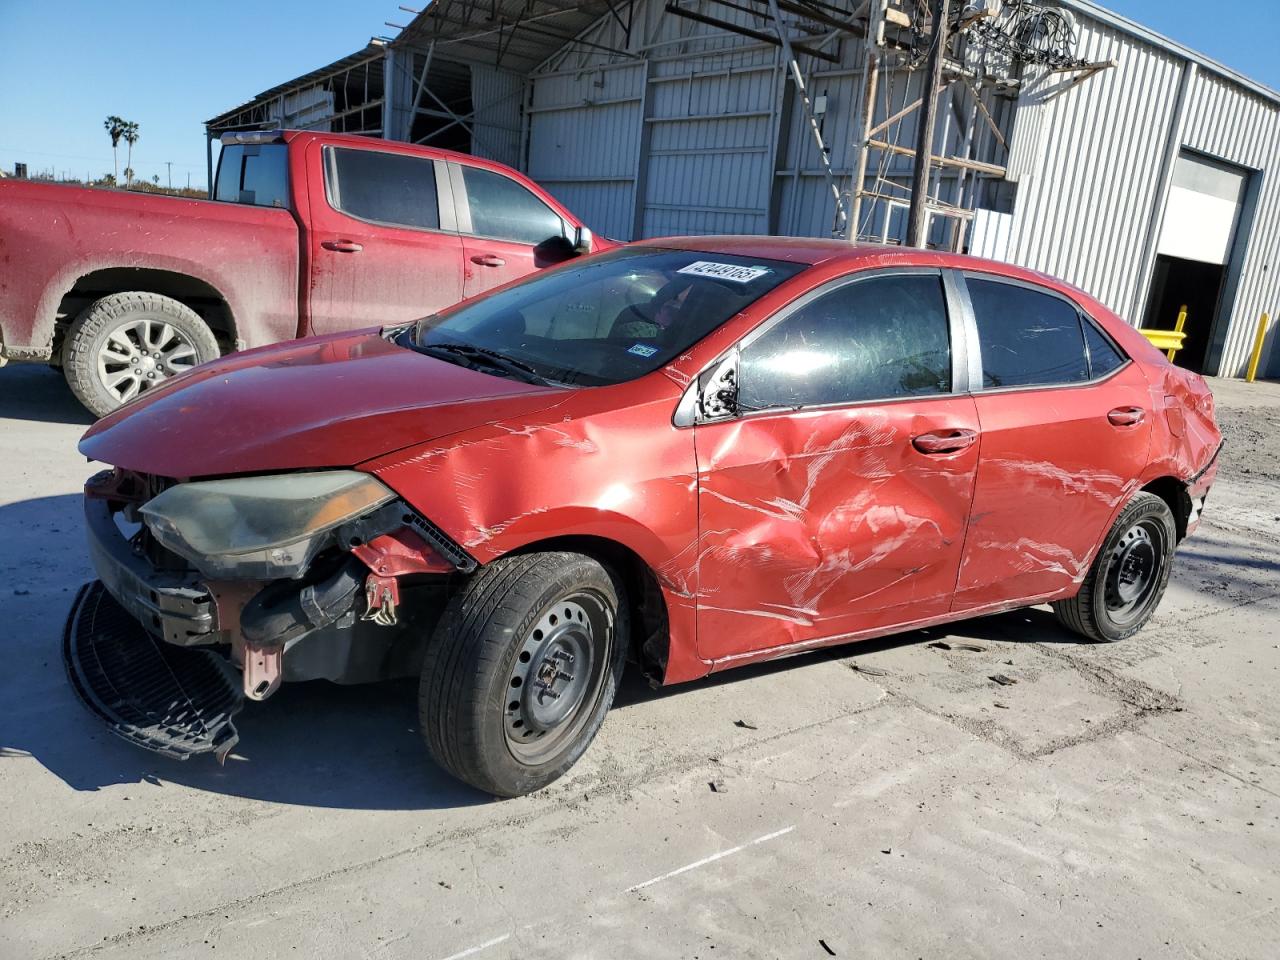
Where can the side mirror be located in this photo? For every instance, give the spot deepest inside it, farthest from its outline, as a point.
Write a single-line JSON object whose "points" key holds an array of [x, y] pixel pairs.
{"points": [[582, 238], [718, 396]]}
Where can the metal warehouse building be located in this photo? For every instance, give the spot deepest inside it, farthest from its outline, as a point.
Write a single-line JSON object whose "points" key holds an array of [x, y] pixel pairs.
{"points": [[1067, 139]]}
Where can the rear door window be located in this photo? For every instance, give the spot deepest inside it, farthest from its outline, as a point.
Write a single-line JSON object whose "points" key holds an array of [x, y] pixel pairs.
{"points": [[387, 188], [1027, 338], [502, 209], [876, 339]]}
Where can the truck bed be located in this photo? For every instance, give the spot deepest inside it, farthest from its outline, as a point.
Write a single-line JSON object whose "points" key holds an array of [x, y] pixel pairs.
{"points": [[57, 238]]}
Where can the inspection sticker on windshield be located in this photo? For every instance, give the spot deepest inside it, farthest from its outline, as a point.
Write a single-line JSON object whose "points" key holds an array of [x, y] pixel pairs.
{"points": [[642, 350], [724, 271]]}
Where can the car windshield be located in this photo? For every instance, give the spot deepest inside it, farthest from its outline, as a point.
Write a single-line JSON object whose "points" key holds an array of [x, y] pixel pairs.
{"points": [[604, 320]]}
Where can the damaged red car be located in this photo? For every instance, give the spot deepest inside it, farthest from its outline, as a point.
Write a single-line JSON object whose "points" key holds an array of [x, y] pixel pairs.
{"points": [[685, 454]]}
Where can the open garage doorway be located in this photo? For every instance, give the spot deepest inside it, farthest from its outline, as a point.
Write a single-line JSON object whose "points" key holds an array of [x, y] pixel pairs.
{"points": [[1177, 283], [1197, 250]]}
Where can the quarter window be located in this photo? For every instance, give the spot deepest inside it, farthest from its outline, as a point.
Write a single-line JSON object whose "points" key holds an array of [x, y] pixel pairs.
{"points": [[1103, 355], [504, 210], [1027, 338], [875, 339], [386, 188]]}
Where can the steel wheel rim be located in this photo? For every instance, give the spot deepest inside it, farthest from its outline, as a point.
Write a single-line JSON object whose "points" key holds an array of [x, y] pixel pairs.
{"points": [[140, 353], [556, 676], [1133, 571]]}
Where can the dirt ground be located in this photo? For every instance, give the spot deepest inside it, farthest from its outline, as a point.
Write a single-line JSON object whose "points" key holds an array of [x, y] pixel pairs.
{"points": [[879, 800]]}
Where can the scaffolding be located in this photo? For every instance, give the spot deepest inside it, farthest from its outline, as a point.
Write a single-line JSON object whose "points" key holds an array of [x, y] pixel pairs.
{"points": [[982, 51]]}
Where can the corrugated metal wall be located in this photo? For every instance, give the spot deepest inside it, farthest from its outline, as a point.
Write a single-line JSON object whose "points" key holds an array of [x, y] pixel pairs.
{"points": [[584, 142], [496, 98], [1232, 124], [1088, 167]]}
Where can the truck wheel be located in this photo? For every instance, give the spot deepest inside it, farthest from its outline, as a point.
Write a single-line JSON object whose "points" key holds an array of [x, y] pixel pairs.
{"points": [[522, 670], [126, 343], [1128, 576]]}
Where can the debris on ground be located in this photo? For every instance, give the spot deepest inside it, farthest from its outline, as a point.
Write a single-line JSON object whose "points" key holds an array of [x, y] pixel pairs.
{"points": [[744, 725], [869, 671], [822, 943], [1002, 679], [717, 786], [1001, 706], [970, 647]]}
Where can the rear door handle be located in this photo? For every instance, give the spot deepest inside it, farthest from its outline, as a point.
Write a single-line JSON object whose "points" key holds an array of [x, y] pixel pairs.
{"points": [[1127, 416], [342, 246], [488, 260], [948, 441]]}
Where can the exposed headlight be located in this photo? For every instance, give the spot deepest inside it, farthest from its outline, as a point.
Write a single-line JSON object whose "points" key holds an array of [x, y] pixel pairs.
{"points": [[260, 527]]}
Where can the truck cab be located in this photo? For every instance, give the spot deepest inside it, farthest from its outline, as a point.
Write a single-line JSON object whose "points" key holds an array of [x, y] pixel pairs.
{"points": [[304, 233]]}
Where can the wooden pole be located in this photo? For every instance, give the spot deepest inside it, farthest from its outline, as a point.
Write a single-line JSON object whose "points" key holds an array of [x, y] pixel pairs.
{"points": [[918, 216]]}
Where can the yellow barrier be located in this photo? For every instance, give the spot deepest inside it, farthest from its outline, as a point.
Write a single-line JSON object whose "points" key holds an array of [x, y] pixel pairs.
{"points": [[1256, 356], [1170, 340], [1177, 328]]}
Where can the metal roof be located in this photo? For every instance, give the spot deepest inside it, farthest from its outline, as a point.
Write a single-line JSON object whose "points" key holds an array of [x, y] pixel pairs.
{"points": [[516, 35], [1145, 34], [373, 50]]}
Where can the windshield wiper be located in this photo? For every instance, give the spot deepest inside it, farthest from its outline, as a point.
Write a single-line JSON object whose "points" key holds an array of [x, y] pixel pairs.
{"points": [[490, 357]]}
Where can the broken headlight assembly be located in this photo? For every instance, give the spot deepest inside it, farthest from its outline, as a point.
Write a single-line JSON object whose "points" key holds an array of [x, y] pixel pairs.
{"points": [[260, 528]]}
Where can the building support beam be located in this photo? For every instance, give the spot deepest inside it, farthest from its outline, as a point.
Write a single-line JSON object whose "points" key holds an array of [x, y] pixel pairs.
{"points": [[918, 216]]}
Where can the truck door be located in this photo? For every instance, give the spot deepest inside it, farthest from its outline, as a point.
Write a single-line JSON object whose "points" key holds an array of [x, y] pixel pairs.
{"points": [[508, 231], [383, 241]]}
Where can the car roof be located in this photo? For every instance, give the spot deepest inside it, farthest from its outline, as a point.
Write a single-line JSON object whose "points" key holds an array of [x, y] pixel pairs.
{"points": [[816, 251]]}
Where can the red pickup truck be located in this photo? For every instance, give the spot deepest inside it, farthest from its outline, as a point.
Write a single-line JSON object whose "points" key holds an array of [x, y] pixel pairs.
{"points": [[306, 233]]}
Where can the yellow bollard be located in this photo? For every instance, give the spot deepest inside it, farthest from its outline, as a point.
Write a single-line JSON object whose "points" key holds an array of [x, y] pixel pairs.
{"points": [[1256, 357], [1177, 328]]}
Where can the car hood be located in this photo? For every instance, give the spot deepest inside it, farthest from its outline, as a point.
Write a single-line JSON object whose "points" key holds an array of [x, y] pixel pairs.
{"points": [[325, 402]]}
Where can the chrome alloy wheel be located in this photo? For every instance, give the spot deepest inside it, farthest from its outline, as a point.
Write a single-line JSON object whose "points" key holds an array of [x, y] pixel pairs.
{"points": [[141, 353], [556, 676], [1133, 571]]}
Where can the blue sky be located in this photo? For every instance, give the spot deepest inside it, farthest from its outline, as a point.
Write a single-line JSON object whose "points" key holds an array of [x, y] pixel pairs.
{"points": [[169, 66]]}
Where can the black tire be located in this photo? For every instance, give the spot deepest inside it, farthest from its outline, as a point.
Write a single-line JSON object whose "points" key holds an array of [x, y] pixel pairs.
{"points": [[509, 623], [91, 356], [1128, 576]]}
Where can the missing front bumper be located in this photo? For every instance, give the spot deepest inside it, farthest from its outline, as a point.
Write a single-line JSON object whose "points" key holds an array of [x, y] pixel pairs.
{"points": [[172, 700]]}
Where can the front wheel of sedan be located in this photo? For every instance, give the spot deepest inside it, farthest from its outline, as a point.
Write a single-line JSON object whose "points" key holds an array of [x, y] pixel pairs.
{"points": [[124, 344], [522, 669], [1128, 576]]}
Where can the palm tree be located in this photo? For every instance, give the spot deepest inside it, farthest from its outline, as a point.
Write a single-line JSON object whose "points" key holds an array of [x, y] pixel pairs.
{"points": [[115, 130], [130, 134]]}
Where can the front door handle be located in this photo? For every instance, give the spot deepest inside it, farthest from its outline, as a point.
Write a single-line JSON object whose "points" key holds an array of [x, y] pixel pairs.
{"points": [[488, 260], [949, 441], [1127, 416], [342, 246]]}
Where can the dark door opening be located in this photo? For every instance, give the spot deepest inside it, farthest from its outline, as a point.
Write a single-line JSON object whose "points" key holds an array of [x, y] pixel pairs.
{"points": [[444, 109], [1175, 282]]}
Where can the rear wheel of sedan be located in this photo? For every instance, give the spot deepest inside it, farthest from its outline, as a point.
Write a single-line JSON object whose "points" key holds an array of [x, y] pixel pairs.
{"points": [[1128, 576], [522, 669], [124, 344]]}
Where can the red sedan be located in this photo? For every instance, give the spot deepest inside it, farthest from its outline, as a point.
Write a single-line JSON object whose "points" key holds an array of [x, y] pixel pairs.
{"points": [[687, 453]]}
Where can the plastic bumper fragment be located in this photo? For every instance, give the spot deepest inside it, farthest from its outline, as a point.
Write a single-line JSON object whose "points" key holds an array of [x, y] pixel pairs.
{"points": [[175, 701]]}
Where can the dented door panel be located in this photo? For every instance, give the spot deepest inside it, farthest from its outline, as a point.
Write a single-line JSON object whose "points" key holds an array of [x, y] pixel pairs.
{"points": [[1054, 472], [822, 523]]}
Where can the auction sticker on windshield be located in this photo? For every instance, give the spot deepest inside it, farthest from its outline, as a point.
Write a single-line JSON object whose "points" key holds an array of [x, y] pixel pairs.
{"points": [[723, 271]]}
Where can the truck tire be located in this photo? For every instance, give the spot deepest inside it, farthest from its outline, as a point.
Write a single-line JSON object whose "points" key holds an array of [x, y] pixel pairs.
{"points": [[1129, 575], [124, 344], [522, 669]]}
